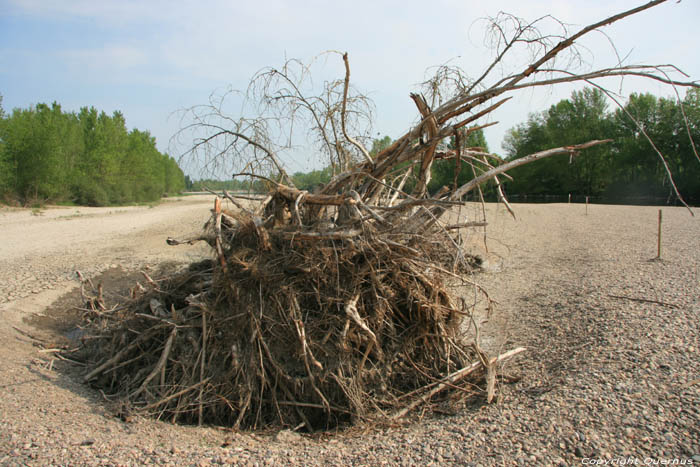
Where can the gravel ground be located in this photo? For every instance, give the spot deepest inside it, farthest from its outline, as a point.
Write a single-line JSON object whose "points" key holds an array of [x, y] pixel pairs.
{"points": [[612, 371]]}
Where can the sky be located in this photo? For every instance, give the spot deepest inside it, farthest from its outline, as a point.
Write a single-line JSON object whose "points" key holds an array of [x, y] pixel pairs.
{"points": [[150, 58]]}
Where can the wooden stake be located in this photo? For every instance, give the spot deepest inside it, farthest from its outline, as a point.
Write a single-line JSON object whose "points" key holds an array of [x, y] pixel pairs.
{"points": [[586, 205], [658, 243]]}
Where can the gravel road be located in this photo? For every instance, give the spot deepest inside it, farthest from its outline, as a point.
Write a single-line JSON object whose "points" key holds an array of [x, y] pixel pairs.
{"points": [[612, 372], [42, 250]]}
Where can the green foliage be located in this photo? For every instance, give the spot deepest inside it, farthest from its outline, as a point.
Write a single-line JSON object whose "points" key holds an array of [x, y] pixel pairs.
{"points": [[313, 180], [629, 167], [237, 184], [378, 145], [7, 172], [188, 183], [86, 158]]}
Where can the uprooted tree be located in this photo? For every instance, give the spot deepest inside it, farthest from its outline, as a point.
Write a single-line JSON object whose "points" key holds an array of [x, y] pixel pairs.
{"points": [[321, 309]]}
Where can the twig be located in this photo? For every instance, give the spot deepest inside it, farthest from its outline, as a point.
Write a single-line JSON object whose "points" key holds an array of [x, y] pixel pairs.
{"points": [[161, 364], [351, 311], [359, 146], [453, 378], [217, 229], [69, 360], [84, 280], [466, 224], [296, 206], [149, 280], [331, 235], [142, 337], [236, 203], [644, 300], [177, 394], [200, 414], [26, 334], [189, 241], [100, 300]]}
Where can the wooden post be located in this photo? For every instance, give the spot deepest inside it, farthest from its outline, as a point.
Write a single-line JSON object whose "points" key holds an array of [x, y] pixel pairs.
{"points": [[586, 205], [658, 243], [569, 198]]}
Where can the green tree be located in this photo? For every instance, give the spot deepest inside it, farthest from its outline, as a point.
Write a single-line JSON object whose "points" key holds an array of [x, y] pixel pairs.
{"points": [[7, 171], [639, 171], [311, 181], [688, 173], [581, 118], [174, 178], [39, 143], [379, 144], [89, 157], [629, 167]]}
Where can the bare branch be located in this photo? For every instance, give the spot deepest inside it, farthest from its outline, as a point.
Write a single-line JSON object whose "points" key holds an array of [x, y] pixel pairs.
{"points": [[343, 111], [467, 187]]}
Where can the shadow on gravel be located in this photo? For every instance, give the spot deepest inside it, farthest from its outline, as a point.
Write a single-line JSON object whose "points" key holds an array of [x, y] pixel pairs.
{"points": [[60, 326], [61, 322]]}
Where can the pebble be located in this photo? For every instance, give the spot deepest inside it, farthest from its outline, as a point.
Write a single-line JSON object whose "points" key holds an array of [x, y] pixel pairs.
{"points": [[287, 436]]}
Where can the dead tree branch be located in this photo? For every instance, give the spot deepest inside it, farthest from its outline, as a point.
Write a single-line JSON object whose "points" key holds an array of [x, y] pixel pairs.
{"points": [[321, 309]]}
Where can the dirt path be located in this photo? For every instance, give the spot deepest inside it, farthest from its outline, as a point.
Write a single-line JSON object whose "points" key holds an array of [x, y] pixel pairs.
{"points": [[613, 368], [42, 250]]}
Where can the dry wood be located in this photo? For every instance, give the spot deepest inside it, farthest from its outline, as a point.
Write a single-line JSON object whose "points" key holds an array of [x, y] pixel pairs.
{"points": [[644, 300], [453, 378], [190, 240], [159, 366], [467, 187], [117, 357], [464, 225], [322, 309], [343, 113], [200, 416], [177, 394]]}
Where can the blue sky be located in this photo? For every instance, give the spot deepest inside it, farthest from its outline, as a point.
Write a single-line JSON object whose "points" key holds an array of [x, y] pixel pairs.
{"points": [[149, 59]]}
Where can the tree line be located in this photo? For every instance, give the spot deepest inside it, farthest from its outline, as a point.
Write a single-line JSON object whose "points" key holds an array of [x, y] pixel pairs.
{"points": [[442, 171], [309, 181], [238, 185], [626, 170], [87, 158]]}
